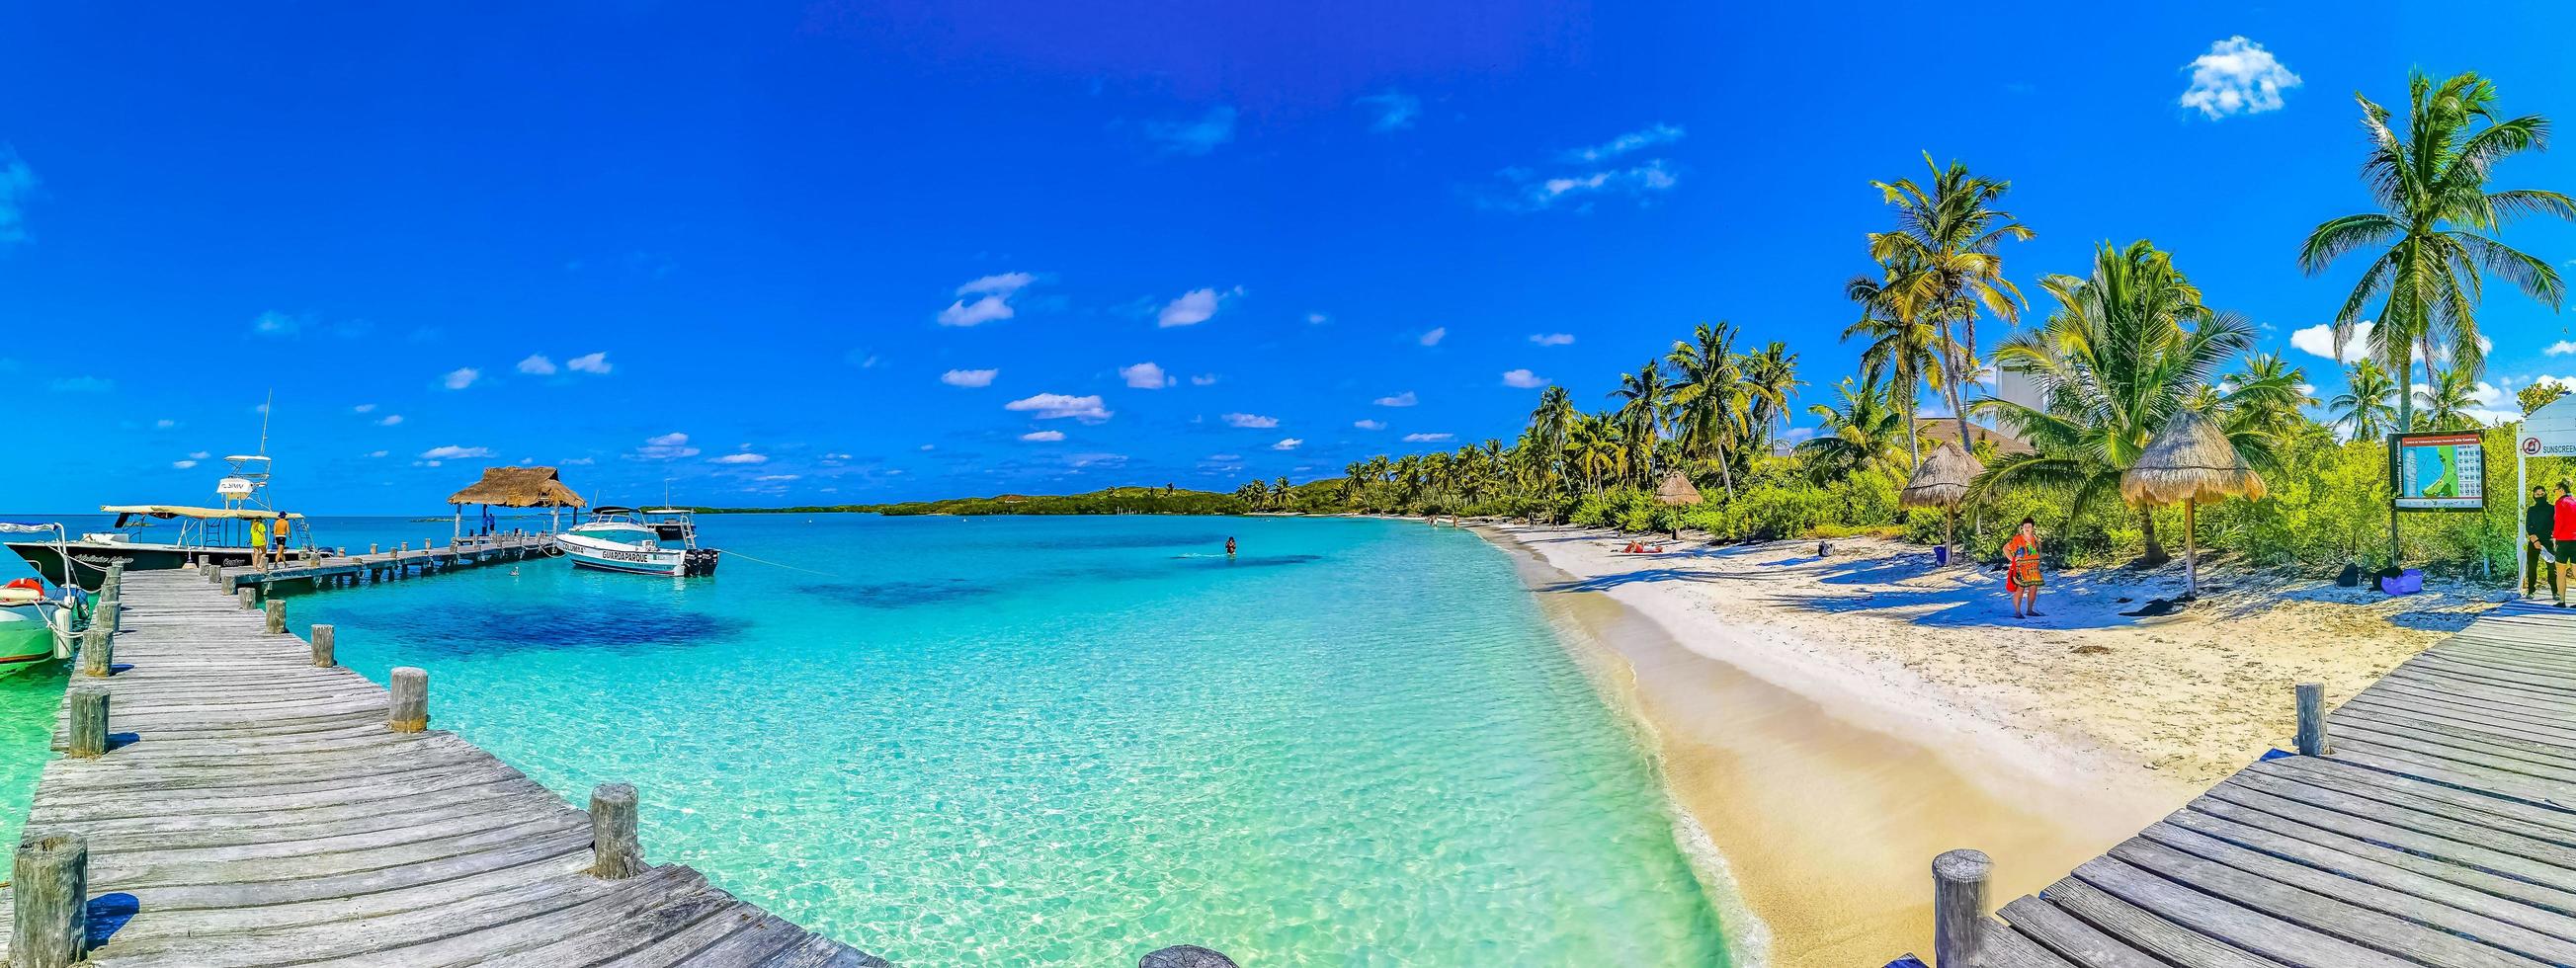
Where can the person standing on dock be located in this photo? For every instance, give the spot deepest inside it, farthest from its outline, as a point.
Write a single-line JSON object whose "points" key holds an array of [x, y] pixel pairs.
{"points": [[259, 544], [2021, 570], [2538, 554], [2563, 531], [277, 542]]}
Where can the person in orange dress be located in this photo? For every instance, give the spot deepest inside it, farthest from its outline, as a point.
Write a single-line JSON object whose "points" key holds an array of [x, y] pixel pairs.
{"points": [[2021, 569]]}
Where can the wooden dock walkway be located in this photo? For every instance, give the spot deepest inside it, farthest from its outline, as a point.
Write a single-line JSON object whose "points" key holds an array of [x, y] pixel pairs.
{"points": [[379, 564], [2435, 825], [253, 806]]}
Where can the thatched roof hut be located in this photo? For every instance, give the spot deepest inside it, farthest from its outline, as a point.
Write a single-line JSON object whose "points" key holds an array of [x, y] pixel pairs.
{"points": [[1942, 481], [1677, 490], [2192, 460], [519, 487]]}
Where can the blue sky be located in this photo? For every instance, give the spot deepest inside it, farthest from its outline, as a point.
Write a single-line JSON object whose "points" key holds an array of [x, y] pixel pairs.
{"points": [[851, 251]]}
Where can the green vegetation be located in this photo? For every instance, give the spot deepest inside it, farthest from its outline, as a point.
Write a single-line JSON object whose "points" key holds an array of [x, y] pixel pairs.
{"points": [[2127, 346]]}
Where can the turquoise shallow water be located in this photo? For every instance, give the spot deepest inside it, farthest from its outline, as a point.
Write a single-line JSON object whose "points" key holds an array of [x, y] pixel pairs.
{"points": [[1068, 741]]}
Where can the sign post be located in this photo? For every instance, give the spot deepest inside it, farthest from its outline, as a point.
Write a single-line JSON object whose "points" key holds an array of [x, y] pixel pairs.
{"points": [[2548, 432]]}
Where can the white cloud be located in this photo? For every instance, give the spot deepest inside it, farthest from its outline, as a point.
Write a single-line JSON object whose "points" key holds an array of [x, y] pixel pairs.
{"points": [[1145, 376], [1369, 424], [83, 384], [1193, 307], [199, 455], [390, 420], [274, 323], [462, 377], [670, 446], [1648, 137], [2486, 394], [1405, 399], [1435, 335], [1426, 438], [1635, 181], [985, 310], [2568, 382], [17, 181], [2318, 340], [744, 457], [363, 408], [1552, 339], [1043, 436], [1224, 457], [969, 378], [453, 452], [380, 453], [183, 464], [1053, 406], [573, 462], [1317, 319], [164, 423], [1194, 137], [1291, 443], [777, 477], [592, 363], [1252, 421], [1203, 380], [999, 284], [537, 365], [2237, 76], [1396, 110], [1523, 379], [2561, 348]]}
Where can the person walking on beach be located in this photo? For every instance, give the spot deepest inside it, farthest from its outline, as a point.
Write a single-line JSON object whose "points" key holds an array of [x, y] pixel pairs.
{"points": [[2539, 554], [2021, 569], [2563, 531]]}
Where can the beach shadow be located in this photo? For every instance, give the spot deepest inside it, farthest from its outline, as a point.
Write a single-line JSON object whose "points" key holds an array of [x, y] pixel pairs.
{"points": [[2434, 621], [1641, 576], [1963, 607]]}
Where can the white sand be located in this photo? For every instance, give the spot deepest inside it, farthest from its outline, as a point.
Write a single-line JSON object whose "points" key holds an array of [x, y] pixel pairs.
{"points": [[1901, 710]]}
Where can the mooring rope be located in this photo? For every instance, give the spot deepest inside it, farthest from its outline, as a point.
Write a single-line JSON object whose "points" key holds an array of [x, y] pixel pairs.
{"points": [[774, 564]]}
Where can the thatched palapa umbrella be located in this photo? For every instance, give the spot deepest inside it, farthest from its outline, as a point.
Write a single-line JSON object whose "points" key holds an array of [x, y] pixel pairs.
{"points": [[1942, 482], [2190, 461], [515, 487], [1677, 491]]}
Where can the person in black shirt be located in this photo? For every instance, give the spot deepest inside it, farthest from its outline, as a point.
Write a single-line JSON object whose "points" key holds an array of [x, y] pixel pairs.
{"points": [[2536, 521]]}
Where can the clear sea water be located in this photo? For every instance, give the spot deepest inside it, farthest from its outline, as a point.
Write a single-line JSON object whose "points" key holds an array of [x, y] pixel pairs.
{"points": [[1065, 741]]}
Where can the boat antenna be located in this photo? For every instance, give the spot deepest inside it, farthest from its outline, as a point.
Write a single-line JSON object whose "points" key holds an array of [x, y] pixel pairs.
{"points": [[264, 408]]}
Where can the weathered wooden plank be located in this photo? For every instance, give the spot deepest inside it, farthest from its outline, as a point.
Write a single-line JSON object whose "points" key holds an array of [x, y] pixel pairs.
{"points": [[2145, 931], [2247, 928], [2071, 938]]}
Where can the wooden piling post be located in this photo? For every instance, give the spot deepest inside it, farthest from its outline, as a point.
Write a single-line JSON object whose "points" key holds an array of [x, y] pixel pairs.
{"points": [[1958, 906], [2312, 719], [322, 646], [97, 650], [249, 596], [276, 616], [50, 893], [88, 725], [110, 613], [616, 850], [408, 711]]}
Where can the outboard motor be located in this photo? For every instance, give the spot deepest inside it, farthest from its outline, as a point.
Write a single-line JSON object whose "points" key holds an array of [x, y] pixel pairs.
{"points": [[699, 562]]}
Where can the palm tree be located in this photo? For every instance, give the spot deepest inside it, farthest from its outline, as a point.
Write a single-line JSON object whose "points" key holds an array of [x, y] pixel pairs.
{"points": [[1641, 412], [1595, 449], [2128, 347], [2363, 409], [1709, 401], [1901, 346], [1862, 434], [2430, 184], [1948, 234], [2446, 403], [1770, 378], [2275, 388]]}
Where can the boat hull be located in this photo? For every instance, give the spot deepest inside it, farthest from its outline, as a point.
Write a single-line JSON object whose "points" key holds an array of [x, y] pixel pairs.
{"points": [[93, 557], [26, 639], [610, 556]]}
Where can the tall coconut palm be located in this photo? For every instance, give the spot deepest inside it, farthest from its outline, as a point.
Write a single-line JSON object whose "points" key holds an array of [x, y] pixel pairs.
{"points": [[1596, 449], [1865, 433], [2275, 388], [2128, 347], [1641, 397], [1903, 347], [2363, 410], [1949, 233], [1554, 418], [1770, 379], [1709, 397], [2445, 405], [2430, 182]]}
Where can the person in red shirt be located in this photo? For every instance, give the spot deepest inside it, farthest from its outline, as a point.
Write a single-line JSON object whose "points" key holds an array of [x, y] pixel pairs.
{"points": [[2563, 531], [2021, 569]]}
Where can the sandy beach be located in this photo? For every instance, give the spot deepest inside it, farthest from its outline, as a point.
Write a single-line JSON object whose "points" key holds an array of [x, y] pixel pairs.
{"points": [[1832, 723]]}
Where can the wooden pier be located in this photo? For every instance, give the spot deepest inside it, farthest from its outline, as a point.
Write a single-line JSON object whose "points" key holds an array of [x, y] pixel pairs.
{"points": [[231, 797], [385, 564], [2431, 820]]}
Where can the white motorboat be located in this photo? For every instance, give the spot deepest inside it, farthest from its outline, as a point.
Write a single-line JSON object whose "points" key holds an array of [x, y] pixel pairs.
{"points": [[663, 541]]}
